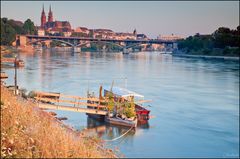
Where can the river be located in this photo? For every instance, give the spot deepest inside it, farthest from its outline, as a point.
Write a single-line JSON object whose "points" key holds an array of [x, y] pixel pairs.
{"points": [[194, 108]]}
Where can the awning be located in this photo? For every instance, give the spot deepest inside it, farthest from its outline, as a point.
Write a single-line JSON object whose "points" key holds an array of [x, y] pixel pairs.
{"points": [[124, 92]]}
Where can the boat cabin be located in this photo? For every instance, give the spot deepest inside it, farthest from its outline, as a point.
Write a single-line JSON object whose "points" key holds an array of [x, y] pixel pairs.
{"points": [[127, 95]]}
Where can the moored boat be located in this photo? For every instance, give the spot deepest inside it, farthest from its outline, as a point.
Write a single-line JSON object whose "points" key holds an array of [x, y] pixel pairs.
{"points": [[120, 121], [142, 113], [121, 107]]}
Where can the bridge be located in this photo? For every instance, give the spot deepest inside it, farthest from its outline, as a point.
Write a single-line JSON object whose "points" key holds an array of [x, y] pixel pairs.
{"points": [[78, 42]]}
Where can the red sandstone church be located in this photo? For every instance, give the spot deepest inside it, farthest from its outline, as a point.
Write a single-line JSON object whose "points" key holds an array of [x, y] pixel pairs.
{"points": [[53, 26]]}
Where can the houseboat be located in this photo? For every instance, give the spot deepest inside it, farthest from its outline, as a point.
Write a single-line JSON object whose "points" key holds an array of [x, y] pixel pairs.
{"points": [[142, 113], [116, 116]]}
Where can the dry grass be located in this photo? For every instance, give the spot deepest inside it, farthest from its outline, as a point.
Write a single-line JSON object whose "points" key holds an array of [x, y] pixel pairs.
{"points": [[27, 132]]}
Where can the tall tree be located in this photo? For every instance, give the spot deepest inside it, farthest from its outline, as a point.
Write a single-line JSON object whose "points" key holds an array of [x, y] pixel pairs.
{"points": [[8, 33], [29, 27]]}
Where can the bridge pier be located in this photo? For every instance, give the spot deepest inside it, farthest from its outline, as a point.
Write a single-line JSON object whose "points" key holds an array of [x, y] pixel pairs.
{"points": [[125, 51], [21, 40], [76, 49], [104, 48]]}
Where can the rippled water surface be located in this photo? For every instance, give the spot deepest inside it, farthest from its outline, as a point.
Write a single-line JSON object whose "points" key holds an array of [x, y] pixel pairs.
{"points": [[195, 102]]}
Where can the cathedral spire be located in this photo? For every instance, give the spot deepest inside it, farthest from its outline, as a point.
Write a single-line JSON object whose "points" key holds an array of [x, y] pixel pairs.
{"points": [[43, 18], [43, 9], [50, 15]]}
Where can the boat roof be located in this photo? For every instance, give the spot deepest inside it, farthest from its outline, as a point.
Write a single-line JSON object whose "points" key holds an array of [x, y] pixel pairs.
{"points": [[124, 92]]}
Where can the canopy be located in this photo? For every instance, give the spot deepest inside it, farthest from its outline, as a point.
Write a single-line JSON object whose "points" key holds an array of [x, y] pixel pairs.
{"points": [[124, 92]]}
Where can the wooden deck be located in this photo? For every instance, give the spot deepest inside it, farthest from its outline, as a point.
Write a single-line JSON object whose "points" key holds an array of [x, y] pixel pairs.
{"points": [[10, 60], [57, 101], [18, 62], [74, 109], [3, 75]]}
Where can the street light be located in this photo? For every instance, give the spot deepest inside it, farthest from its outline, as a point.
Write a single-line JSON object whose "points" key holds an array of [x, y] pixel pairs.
{"points": [[15, 75]]}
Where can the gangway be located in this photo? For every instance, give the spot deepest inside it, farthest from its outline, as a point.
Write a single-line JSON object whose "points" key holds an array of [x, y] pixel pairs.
{"points": [[57, 101]]}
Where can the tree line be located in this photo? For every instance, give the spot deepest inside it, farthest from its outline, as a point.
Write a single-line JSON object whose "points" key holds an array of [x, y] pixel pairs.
{"points": [[223, 42], [10, 27]]}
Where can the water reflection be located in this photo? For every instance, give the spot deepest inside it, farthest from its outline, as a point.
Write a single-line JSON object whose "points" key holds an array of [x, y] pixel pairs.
{"points": [[109, 131]]}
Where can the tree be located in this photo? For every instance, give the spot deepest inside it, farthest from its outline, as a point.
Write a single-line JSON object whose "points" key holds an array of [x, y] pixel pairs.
{"points": [[222, 30], [17, 25], [8, 33], [29, 27], [238, 29], [222, 42]]}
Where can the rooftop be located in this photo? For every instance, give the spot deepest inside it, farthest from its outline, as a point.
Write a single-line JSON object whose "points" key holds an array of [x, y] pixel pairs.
{"points": [[124, 92]]}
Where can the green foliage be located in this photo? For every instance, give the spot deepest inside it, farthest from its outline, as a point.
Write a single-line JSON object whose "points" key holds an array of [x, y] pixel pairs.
{"points": [[110, 102], [95, 47], [112, 47], [8, 33], [55, 43], [9, 29], [127, 108], [29, 27], [223, 38], [130, 109], [17, 25]]}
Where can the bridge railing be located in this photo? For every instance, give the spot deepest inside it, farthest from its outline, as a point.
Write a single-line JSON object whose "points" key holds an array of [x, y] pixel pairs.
{"points": [[100, 39]]}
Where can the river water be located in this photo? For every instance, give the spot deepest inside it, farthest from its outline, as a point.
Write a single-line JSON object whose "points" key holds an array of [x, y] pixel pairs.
{"points": [[194, 108]]}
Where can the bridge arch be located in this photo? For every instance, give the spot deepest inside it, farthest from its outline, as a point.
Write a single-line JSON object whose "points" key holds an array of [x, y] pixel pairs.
{"points": [[104, 42], [134, 45], [42, 40]]}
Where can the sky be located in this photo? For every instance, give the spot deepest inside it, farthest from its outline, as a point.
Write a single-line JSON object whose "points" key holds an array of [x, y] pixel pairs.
{"points": [[153, 18]]}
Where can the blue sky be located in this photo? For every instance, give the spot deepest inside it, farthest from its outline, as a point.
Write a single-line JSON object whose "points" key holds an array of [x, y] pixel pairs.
{"points": [[151, 18]]}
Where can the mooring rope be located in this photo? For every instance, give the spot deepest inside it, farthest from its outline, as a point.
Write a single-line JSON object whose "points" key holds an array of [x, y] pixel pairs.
{"points": [[119, 136]]}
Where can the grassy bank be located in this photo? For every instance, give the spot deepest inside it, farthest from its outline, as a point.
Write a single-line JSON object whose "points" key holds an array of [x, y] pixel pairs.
{"points": [[8, 50], [27, 131]]}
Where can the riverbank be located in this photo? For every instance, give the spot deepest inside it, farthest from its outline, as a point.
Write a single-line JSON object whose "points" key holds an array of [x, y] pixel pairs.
{"points": [[10, 50], [27, 131], [181, 54], [6, 50]]}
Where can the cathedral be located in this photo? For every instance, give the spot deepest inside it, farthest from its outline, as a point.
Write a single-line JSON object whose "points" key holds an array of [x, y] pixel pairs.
{"points": [[50, 25]]}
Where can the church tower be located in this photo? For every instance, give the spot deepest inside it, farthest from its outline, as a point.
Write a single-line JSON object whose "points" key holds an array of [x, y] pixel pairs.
{"points": [[43, 18], [50, 15], [135, 32]]}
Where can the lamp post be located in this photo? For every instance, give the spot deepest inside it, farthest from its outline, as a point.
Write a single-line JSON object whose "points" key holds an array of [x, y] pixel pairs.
{"points": [[15, 75]]}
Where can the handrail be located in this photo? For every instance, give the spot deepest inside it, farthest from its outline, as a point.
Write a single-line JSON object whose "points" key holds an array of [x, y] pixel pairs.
{"points": [[68, 101]]}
